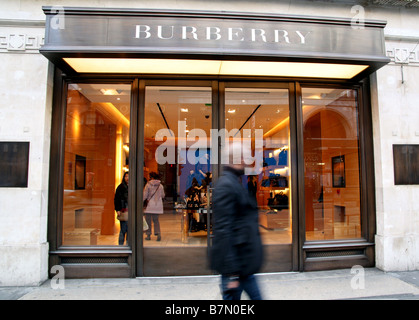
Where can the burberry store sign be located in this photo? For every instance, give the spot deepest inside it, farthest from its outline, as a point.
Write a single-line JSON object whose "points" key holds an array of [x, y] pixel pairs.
{"points": [[209, 33], [217, 34]]}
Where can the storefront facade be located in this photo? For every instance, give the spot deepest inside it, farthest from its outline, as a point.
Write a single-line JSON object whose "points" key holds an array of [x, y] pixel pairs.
{"points": [[196, 76], [160, 90]]}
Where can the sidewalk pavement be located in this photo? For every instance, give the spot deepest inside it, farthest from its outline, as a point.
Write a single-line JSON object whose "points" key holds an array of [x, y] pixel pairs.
{"points": [[369, 284]]}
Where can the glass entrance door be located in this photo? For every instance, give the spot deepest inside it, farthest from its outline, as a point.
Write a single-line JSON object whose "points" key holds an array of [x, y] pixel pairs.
{"points": [[177, 179], [181, 160], [261, 115]]}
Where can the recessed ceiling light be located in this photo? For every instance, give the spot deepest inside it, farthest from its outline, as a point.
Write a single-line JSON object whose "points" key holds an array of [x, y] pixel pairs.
{"points": [[109, 92]]}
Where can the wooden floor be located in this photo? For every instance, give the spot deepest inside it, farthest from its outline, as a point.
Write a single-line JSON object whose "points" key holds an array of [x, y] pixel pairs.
{"points": [[171, 235]]}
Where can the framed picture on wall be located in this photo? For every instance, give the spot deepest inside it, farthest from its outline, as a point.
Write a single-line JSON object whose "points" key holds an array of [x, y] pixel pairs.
{"points": [[80, 176], [338, 171]]}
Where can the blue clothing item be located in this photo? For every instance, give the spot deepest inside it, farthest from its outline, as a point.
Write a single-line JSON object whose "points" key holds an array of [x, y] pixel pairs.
{"points": [[247, 284], [283, 158], [123, 232]]}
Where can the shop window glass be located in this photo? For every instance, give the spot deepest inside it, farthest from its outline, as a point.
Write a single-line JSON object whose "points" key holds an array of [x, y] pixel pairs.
{"points": [[96, 158], [263, 114], [177, 152], [331, 164]]}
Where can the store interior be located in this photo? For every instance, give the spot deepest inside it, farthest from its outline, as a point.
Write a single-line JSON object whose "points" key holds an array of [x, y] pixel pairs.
{"points": [[178, 121]]}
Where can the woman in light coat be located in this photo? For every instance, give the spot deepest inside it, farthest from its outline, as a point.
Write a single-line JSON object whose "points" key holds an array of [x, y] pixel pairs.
{"points": [[154, 193]]}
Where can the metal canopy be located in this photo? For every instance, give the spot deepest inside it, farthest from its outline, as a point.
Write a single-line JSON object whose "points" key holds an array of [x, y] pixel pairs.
{"points": [[210, 35]]}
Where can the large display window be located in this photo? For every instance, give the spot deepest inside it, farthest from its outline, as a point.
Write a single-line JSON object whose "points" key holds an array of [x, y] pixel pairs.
{"points": [[331, 164], [96, 166]]}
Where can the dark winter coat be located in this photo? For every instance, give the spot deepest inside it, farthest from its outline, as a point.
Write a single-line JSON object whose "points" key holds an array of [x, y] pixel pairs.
{"points": [[121, 197], [237, 246]]}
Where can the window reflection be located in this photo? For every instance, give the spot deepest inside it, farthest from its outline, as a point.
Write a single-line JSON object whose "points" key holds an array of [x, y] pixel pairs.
{"points": [[96, 157], [331, 161]]}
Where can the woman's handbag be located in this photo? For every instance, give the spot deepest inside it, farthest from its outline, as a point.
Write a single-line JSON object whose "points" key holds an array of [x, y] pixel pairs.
{"points": [[123, 216], [145, 225]]}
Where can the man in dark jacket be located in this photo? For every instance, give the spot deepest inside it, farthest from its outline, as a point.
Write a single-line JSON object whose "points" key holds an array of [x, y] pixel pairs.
{"points": [[237, 247]]}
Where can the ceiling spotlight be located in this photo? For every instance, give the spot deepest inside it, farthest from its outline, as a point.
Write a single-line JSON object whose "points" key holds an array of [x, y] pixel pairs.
{"points": [[110, 92]]}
